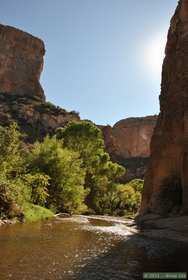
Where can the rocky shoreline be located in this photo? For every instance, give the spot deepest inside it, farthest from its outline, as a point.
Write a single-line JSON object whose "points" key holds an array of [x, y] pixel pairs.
{"points": [[8, 222], [157, 227], [151, 226]]}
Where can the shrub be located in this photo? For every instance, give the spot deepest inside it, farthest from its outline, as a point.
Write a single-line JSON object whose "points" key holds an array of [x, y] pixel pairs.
{"points": [[33, 213], [38, 184], [86, 139], [120, 199], [70, 172], [65, 189]]}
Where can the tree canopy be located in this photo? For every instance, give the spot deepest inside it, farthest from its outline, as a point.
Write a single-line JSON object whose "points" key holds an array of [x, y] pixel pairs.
{"points": [[68, 172]]}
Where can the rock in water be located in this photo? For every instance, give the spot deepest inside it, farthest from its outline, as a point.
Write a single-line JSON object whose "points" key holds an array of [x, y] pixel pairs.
{"points": [[166, 180]]}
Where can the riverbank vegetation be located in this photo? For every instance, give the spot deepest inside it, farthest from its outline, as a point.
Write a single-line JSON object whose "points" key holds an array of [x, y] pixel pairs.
{"points": [[67, 172]]}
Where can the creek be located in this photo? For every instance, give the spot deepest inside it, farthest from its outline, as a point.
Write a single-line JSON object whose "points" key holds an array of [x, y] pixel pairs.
{"points": [[84, 248]]}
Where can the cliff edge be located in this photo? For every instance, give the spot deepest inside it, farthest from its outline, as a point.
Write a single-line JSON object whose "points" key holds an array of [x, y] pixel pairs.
{"points": [[21, 62], [166, 180], [22, 98]]}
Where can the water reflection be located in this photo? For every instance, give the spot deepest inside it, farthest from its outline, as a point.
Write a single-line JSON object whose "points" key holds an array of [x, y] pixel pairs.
{"points": [[83, 249]]}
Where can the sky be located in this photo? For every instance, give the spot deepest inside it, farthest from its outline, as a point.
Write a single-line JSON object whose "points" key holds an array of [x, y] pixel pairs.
{"points": [[103, 57]]}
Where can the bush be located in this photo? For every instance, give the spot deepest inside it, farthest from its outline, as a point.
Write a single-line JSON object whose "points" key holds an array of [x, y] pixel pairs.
{"points": [[65, 189], [33, 213], [8, 206], [17, 186], [13, 191], [70, 172], [86, 139], [121, 199], [38, 184], [11, 162]]}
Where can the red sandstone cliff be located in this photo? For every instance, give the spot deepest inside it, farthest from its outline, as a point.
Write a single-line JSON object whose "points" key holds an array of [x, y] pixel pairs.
{"points": [[166, 181], [130, 137], [21, 62], [22, 100], [128, 143], [21, 96]]}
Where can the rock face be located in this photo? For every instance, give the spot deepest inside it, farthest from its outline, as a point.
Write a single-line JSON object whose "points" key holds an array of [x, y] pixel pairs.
{"points": [[22, 100], [128, 143], [21, 96], [36, 119], [21, 62], [166, 181]]}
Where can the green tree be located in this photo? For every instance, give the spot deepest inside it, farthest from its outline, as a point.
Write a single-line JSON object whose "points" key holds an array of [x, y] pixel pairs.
{"points": [[18, 188], [87, 139], [11, 162], [13, 191], [122, 199], [65, 190], [137, 185], [38, 184]]}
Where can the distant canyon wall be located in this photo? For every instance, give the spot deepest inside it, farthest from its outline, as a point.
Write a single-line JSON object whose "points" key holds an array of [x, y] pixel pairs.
{"points": [[128, 143]]}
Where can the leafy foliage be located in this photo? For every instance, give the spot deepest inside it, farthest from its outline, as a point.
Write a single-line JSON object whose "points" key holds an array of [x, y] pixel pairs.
{"points": [[38, 183], [69, 172], [65, 188], [17, 186], [13, 192], [121, 199], [33, 213], [86, 139], [11, 163]]}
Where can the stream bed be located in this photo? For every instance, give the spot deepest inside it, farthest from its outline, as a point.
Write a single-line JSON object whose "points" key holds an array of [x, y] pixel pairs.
{"points": [[84, 248]]}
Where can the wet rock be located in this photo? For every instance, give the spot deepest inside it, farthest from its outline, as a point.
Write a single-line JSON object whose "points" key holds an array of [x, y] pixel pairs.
{"points": [[71, 218], [8, 222], [148, 217], [63, 215], [172, 228]]}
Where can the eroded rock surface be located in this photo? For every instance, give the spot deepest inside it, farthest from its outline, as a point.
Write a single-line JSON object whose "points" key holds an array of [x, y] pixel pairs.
{"points": [[172, 228], [166, 181], [22, 100], [21, 96], [36, 119], [21, 62], [128, 143]]}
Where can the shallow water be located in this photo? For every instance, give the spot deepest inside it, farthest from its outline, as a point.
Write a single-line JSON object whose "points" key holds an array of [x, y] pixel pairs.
{"points": [[85, 249]]}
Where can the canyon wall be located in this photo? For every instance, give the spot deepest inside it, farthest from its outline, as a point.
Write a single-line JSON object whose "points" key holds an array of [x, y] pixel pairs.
{"points": [[21, 96], [128, 143], [21, 62], [22, 100], [166, 180]]}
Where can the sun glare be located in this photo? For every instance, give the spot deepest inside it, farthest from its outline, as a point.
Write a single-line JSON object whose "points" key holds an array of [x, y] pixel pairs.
{"points": [[154, 54]]}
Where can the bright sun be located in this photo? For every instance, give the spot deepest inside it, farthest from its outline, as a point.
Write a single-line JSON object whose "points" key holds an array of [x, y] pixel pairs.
{"points": [[154, 54]]}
